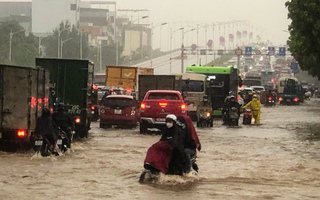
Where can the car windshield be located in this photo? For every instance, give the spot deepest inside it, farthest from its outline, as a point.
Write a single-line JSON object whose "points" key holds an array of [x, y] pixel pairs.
{"points": [[258, 89], [167, 96], [118, 102], [193, 86]]}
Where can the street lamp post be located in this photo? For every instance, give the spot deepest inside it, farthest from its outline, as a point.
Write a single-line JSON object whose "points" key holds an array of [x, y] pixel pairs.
{"points": [[171, 33], [182, 49], [62, 42], [151, 38], [40, 40], [10, 42], [59, 40], [143, 17]]}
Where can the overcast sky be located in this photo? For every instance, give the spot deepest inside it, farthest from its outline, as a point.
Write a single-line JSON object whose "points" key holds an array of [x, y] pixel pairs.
{"points": [[269, 17]]}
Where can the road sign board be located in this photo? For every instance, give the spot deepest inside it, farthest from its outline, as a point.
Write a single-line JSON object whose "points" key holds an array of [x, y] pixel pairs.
{"points": [[238, 52], [248, 51], [271, 51], [282, 51], [257, 52], [294, 67]]}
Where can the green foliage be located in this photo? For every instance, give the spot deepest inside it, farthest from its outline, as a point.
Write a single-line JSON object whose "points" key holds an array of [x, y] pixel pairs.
{"points": [[24, 48], [304, 40]]}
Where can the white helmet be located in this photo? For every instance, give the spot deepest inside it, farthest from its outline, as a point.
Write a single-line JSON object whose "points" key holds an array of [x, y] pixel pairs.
{"points": [[171, 116]]}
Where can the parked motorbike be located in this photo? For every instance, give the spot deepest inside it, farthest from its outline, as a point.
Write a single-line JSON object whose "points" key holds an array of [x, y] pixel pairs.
{"points": [[247, 116], [159, 158], [233, 117], [270, 102], [43, 146], [204, 119]]}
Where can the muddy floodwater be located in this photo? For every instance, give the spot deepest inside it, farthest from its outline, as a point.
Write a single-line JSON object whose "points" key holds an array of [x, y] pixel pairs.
{"points": [[277, 160]]}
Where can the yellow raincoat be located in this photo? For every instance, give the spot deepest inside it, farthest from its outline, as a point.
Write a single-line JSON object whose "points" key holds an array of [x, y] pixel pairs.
{"points": [[255, 105]]}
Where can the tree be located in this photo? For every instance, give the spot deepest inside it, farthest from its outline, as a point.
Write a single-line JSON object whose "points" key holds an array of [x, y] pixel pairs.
{"points": [[24, 48], [304, 40], [70, 38]]}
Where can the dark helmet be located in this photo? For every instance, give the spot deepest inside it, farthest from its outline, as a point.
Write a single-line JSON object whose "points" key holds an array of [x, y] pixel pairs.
{"points": [[232, 98], [46, 112], [205, 98], [60, 107]]}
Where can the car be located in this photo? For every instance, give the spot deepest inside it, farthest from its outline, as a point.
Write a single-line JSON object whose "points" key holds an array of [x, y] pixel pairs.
{"points": [[119, 110], [258, 89], [156, 105]]}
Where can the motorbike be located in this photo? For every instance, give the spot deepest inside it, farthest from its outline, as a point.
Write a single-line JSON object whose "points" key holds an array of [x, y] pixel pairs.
{"points": [[270, 102], [307, 95], [43, 146], [233, 117], [204, 119], [160, 158], [247, 116]]}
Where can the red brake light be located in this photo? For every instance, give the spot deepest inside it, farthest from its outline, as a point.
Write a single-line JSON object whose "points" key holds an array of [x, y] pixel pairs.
{"points": [[92, 107], [183, 106], [95, 87], [77, 120], [280, 99], [22, 133], [143, 106], [269, 98], [296, 99], [239, 98], [163, 104], [129, 90], [272, 80]]}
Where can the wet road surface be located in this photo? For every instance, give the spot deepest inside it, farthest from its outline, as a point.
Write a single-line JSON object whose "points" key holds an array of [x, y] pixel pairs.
{"points": [[277, 160]]}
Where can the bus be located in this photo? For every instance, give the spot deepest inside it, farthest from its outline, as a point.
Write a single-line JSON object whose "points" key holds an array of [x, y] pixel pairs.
{"points": [[222, 81], [193, 90], [268, 78]]}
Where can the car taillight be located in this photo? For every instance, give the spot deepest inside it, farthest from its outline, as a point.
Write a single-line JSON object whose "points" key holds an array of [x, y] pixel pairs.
{"points": [[296, 99], [163, 104], [92, 107], [22, 133], [183, 106], [239, 98], [269, 98], [143, 106], [280, 99], [77, 120]]}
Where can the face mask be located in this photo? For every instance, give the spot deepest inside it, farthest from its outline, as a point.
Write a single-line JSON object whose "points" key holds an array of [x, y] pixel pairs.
{"points": [[169, 125], [254, 98]]}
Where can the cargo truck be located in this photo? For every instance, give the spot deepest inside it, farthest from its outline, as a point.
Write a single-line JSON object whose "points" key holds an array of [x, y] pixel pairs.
{"points": [[158, 82], [24, 92], [71, 82]]}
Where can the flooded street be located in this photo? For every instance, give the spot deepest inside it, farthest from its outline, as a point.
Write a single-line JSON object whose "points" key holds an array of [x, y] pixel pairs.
{"points": [[277, 160]]}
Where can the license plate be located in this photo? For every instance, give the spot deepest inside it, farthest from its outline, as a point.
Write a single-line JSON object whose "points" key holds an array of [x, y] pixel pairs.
{"points": [[117, 112], [38, 143], [288, 100], [59, 142], [161, 119]]}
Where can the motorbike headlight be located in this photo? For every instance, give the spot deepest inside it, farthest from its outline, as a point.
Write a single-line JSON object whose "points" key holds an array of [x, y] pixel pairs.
{"points": [[208, 114]]}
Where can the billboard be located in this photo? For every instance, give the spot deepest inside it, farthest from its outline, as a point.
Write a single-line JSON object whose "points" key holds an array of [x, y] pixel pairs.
{"points": [[48, 14]]}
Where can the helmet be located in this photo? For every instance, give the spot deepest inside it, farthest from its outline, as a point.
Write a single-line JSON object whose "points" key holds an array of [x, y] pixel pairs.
{"points": [[171, 116], [205, 98], [232, 98], [60, 106], [254, 96]]}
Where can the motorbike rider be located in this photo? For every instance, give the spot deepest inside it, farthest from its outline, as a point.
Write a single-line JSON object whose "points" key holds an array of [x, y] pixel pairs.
{"points": [[233, 103], [173, 135], [205, 104], [190, 141], [255, 105], [46, 127], [64, 121]]}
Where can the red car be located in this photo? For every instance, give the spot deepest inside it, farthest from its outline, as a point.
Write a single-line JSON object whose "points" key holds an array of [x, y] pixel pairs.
{"points": [[156, 105], [119, 110]]}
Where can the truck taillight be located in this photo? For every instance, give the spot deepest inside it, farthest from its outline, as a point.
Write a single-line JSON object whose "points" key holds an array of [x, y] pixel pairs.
{"points": [[163, 104], [269, 98], [77, 120], [143, 106], [183, 106], [22, 133], [280, 99], [92, 107], [296, 99]]}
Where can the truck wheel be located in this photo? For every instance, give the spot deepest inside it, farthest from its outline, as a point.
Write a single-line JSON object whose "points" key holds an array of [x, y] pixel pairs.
{"points": [[211, 123], [143, 127], [101, 125]]}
